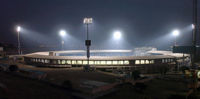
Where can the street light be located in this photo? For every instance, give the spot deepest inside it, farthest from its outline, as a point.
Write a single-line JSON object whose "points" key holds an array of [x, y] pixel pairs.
{"points": [[62, 33], [175, 34], [87, 21], [18, 37], [117, 34]]}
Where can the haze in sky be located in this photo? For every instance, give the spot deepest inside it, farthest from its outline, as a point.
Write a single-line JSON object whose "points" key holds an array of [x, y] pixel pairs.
{"points": [[141, 22]]}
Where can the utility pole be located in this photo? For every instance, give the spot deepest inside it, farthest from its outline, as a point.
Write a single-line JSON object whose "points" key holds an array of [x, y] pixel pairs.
{"points": [[193, 55], [18, 39], [194, 32]]}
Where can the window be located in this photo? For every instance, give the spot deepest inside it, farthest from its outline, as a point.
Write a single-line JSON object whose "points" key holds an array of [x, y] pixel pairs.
{"points": [[59, 61], [137, 61], [115, 62], [73, 62], [97, 62], [103, 62], [163, 60], [62, 61], [42, 60], [147, 62], [151, 61], [79, 62], [91, 62], [46, 61], [120, 62], [126, 62], [109, 62], [142, 61], [68, 61], [85, 62]]}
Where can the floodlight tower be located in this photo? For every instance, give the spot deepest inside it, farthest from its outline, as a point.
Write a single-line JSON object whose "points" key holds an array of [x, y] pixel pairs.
{"points": [[175, 34], [18, 39], [194, 31], [62, 34], [87, 21]]}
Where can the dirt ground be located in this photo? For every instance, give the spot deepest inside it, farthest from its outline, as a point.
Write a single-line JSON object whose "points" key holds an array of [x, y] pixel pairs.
{"points": [[20, 88]]}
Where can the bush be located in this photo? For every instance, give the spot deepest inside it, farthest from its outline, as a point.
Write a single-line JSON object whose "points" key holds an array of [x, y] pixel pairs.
{"points": [[13, 68]]}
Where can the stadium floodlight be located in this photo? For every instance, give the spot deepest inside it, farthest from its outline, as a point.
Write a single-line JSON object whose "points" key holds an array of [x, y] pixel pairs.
{"points": [[193, 26], [87, 20], [18, 28], [18, 39], [175, 34], [62, 33], [117, 34]]}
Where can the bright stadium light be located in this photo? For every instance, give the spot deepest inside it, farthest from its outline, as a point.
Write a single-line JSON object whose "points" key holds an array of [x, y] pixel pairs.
{"points": [[176, 32], [87, 20], [62, 33], [117, 34], [18, 40], [193, 26], [18, 28]]}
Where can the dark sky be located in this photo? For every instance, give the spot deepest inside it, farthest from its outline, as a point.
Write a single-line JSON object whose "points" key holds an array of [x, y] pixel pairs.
{"points": [[142, 22]]}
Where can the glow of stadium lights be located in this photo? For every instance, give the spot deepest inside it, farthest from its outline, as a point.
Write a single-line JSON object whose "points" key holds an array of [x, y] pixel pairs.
{"points": [[62, 33], [176, 33], [18, 39], [18, 28], [117, 34], [193, 26]]}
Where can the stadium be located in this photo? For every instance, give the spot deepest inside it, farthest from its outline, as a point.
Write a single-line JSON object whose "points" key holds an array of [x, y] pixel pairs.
{"points": [[113, 59]]}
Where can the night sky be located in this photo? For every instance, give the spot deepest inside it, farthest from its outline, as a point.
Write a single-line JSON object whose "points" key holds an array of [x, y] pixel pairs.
{"points": [[142, 22]]}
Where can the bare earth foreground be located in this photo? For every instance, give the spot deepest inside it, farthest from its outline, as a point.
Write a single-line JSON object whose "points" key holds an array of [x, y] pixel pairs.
{"points": [[21, 88], [25, 88]]}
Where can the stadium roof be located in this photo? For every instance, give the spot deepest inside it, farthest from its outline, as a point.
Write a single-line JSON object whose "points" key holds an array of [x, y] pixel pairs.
{"points": [[100, 57]]}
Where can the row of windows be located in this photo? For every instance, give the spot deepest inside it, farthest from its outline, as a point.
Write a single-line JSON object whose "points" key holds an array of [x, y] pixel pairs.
{"points": [[40, 60], [144, 61], [80, 62], [167, 60]]}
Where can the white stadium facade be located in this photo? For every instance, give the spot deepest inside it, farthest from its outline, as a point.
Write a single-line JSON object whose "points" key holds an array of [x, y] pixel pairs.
{"points": [[107, 59]]}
